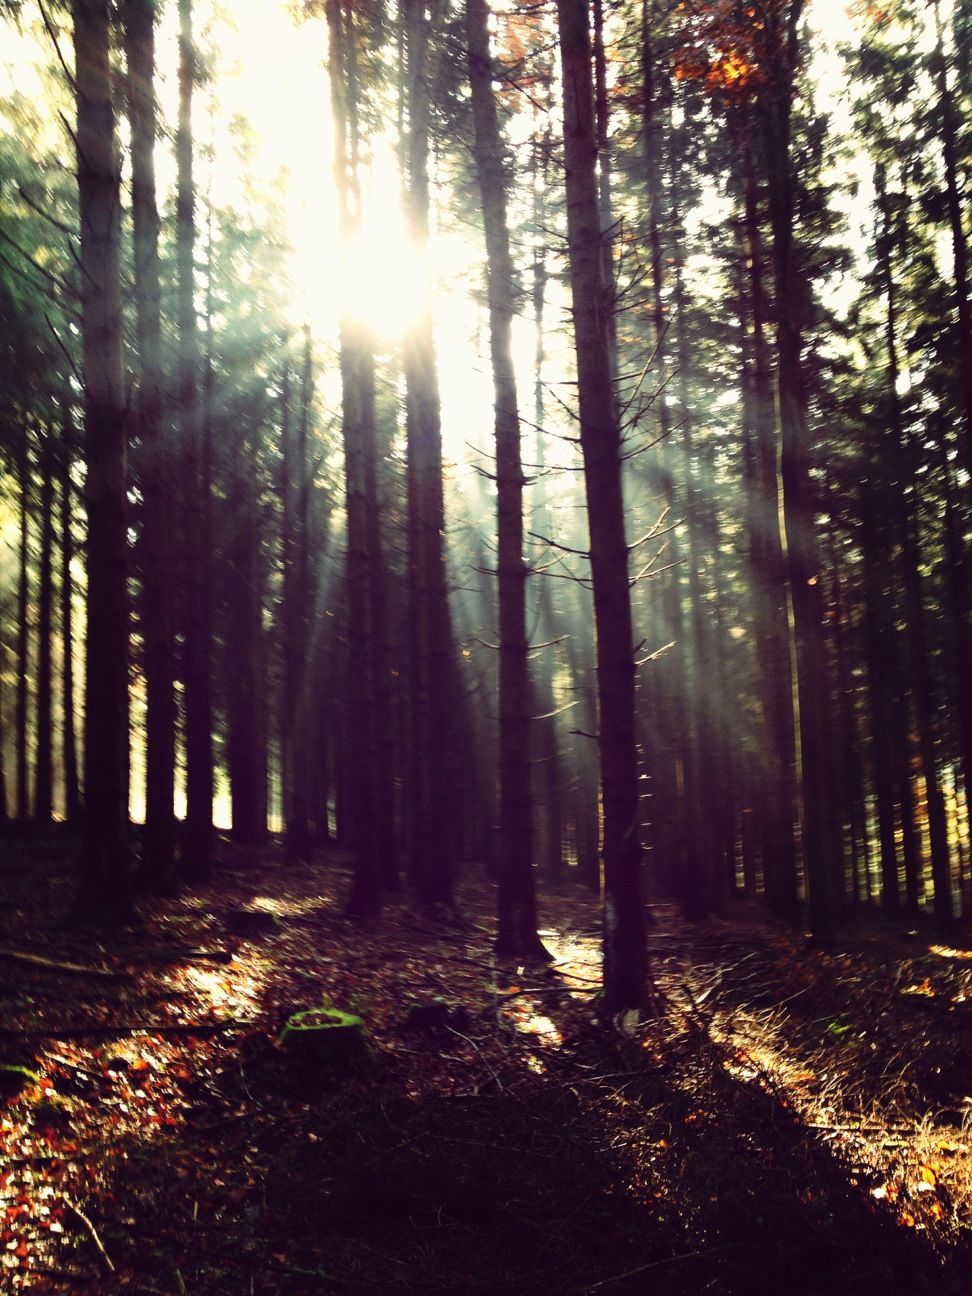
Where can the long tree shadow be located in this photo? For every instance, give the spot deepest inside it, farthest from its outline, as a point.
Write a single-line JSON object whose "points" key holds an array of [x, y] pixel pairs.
{"points": [[609, 1180]]}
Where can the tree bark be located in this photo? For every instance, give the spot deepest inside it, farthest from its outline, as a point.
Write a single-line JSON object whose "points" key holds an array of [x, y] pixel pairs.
{"points": [[431, 667], [904, 512], [23, 637], [771, 614], [358, 791], [44, 750], [198, 834], [517, 907], [72, 793], [158, 872], [820, 849], [625, 957], [104, 886]]}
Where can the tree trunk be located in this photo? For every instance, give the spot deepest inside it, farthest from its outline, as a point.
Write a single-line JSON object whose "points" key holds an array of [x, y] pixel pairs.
{"points": [[299, 685], [957, 551], [198, 835], [72, 794], [44, 750], [23, 636], [681, 833], [625, 957], [357, 791], [104, 892], [904, 511], [880, 653], [517, 907], [154, 462], [778, 846], [431, 668], [820, 849]]}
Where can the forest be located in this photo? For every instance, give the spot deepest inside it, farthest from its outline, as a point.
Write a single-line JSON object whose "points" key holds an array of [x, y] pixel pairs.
{"points": [[485, 646]]}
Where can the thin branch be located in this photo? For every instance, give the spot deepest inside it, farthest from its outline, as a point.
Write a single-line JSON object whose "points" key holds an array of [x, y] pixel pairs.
{"points": [[656, 654], [580, 553], [103, 1255], [69, 75], [549, 643], [550, 715], [34, 205]]}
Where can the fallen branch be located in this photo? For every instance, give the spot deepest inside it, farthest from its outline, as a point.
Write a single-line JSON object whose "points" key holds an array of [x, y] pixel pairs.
{"points": [[54, 965], [182, 956], [96, 1031], [103, 1255], [655, 1264]]}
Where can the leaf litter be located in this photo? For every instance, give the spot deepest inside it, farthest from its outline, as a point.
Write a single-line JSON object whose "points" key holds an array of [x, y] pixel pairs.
{"points": [[789, 1122]]}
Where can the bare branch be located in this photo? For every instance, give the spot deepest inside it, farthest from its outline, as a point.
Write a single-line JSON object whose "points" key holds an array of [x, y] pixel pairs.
{"points": [[580, 553]]}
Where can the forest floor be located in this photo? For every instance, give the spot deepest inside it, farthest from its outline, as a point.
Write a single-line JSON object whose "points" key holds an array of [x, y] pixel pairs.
{"points": [[794, 1120]]}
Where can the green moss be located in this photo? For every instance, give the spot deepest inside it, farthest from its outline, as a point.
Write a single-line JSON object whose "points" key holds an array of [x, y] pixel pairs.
{"points": [[328, 1035], [14, 1079]]}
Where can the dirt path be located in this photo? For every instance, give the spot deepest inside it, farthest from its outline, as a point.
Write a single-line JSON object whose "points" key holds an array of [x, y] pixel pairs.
{"points": [[761, 1136]]}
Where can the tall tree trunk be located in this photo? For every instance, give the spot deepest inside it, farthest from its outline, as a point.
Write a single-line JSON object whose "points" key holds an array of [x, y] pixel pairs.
{"points": [[820, 847], [432, 668], [517, 906], [957, 549], [4, 810], [198, 838], [358, 792], [778, 845], [104, 890], [23, 635], [153, 461], [72, 794], [299, 685], [625, 957], [880, 654], [707, 702], [44, 751], [904, 511], [383, 739], [681, 835]]}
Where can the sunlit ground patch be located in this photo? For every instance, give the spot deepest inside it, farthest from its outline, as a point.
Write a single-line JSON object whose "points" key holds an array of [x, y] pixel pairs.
{"points": [[946, 952]]}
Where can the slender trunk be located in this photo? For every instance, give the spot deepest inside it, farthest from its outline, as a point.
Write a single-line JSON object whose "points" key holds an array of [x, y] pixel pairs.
{"points": [[847, 754], [72, 794], [681, 836], [708, 702], [44, 751], [957, 549], [383, 735], [357, 791], [300, 686], [104, 890], [820, 849], [198, 839], [905, 510], [432, 668], [4, 811], [23, 638], [244, 674], [153, 461], [769, 587], [625, 956], [517, 907], [880, 653]]}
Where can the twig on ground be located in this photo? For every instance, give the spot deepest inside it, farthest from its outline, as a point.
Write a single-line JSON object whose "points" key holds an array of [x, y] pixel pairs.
{"points": [[102, 1031], [55, 965], [654, 1264], [103, 1255]]}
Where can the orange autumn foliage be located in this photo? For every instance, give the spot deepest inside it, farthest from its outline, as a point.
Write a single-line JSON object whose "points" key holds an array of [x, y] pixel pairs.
{"points": [[730, 47]]}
